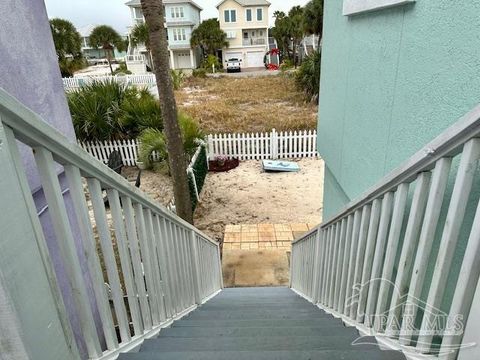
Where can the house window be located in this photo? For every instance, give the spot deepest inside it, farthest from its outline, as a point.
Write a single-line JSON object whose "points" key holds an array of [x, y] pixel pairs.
{"points": [[259, 14], [261, 33], [177, 12], [353, 7], [245, 35], [230, 16], [231, 34], [179, 35], [138, 13], [249, 14]]}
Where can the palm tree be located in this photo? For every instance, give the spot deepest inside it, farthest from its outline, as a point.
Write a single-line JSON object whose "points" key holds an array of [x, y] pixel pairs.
{"points": [[106, 38], [313, 19], [140, 35], [154, 17], [209, 37], [68, 45], [295, 16]]}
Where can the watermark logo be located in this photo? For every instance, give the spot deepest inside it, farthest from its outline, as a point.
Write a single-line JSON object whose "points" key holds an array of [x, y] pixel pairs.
{"points": [[409, 319]]}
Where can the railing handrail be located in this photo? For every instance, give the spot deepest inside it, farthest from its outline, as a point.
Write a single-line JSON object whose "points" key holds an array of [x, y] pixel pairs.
{"points": [[32, 130], [448, 143], [349, 264]]}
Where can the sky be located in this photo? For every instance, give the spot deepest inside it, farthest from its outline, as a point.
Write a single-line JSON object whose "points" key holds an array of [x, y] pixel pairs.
{"points": [[116, 14]]}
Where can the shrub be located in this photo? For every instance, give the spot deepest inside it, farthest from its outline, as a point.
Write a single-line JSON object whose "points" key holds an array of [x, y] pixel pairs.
{"points": [[152, 140], [211, 60], [178, 77], [286, 64], [96, 110], [308, 76], [122, 69], [199, 73], [107, 110], [190, 131], [69, 66], [141, 112]]}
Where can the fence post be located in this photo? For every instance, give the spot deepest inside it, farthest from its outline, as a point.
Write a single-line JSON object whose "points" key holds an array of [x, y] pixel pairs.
{"points": [[274, 144], [210, 154], [195, 267]]}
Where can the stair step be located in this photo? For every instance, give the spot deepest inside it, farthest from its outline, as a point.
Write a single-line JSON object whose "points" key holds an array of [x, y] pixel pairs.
{"points": [[355, 354], [248, 307], [263, 343], [260, 322], [256, 314], [221, 332]]}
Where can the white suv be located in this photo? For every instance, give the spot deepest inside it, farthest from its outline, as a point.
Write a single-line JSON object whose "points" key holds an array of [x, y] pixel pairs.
{"points": [[234, 64]]}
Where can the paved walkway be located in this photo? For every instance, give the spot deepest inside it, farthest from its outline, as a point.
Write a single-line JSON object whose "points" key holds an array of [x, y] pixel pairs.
{"points": [[263, 236]]}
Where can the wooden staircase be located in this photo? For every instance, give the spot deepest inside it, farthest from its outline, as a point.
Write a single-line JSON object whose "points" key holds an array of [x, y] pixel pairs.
{"points": [[261, 324]]}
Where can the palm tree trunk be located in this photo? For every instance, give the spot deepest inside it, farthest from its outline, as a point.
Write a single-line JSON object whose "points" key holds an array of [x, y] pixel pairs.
{"points": [[109, 60], [295, 53], [154, 17]]}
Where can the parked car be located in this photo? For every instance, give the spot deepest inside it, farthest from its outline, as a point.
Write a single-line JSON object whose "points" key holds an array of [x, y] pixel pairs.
{"points": [[234, 64]]}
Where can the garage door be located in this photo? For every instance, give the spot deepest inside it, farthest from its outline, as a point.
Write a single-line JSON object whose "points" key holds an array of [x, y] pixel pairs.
{"points": [[255, 59], [183, 60]]}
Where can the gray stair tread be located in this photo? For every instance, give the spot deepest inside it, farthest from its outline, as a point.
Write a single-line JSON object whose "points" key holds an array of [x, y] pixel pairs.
{"points": [[269, 343], [259, 322], [255, 314], [237, 332], [268, 305], [268, 355]]}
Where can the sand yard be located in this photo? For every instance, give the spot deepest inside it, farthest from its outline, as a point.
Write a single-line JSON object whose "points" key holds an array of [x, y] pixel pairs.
{"points": [[247, 195]]}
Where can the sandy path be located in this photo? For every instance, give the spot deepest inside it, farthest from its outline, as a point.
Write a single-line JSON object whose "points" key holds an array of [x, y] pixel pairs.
{"points": [[247, 195]]}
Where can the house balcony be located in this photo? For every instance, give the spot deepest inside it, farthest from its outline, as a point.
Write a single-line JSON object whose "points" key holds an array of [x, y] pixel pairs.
{"points": [[254, 41]]}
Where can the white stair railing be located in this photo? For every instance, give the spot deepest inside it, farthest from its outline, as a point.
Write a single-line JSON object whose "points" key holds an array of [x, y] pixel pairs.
{"points": [[157, 266], [370, 264]]}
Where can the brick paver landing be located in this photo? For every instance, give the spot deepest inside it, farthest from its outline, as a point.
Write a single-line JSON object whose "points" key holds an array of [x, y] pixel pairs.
{"points": [[263, 236]]}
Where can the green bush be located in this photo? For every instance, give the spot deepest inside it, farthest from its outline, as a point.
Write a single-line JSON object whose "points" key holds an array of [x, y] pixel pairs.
{"points": [[178, 77], [96, 110], [152, 140], [107, 110], [190, 131], [307, 77], [140, 112], [210, 61], [69, 66], [199, 73], [122, 69], [286, 64]]}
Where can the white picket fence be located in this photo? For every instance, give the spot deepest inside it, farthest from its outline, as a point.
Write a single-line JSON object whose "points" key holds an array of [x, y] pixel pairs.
{"points": [[101, 150], [259, 146], [139, 80]]}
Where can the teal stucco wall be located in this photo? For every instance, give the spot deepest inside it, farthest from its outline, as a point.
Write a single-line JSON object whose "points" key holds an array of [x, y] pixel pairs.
{"points": [[392, 80]]}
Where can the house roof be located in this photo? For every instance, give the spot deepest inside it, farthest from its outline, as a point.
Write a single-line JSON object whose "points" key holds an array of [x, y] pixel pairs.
{"points": [[248, 2], [137, 3]]}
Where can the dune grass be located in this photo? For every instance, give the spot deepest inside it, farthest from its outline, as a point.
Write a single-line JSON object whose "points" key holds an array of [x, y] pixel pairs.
{"points": [[254, 104]]}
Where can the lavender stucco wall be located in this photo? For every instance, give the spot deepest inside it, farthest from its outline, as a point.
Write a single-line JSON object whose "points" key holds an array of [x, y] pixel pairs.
{"points": [[29, 71]]}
